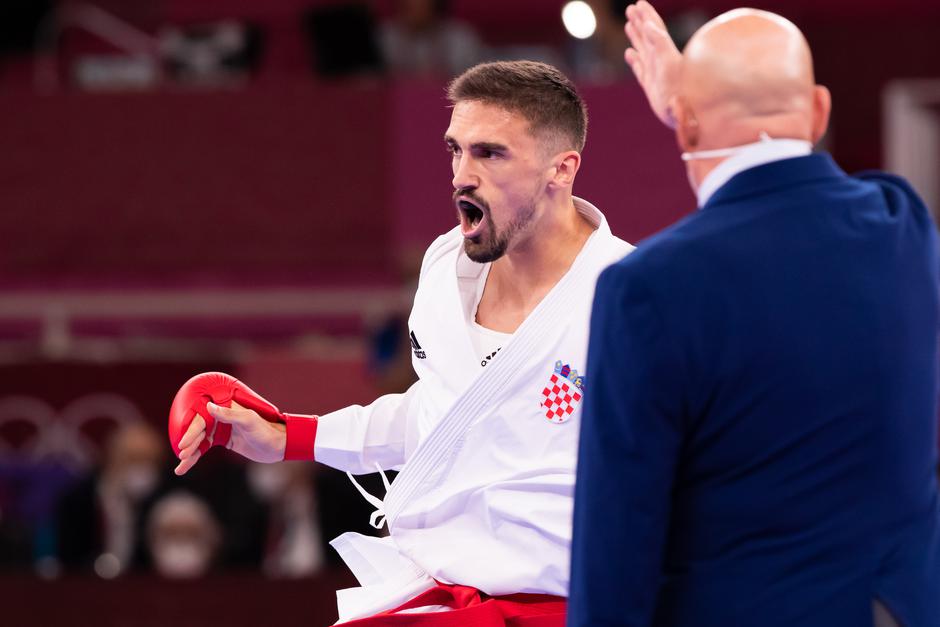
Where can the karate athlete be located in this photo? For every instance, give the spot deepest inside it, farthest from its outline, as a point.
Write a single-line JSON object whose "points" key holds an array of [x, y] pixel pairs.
{"points": [[485, 441]]}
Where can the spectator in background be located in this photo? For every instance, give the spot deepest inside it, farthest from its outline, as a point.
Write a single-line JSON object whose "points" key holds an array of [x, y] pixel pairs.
{"points": [[293, 540], [183, 536], [98, 520], [284, 530], [19, 21], [422, 40], [389, 340], [600, 57]]}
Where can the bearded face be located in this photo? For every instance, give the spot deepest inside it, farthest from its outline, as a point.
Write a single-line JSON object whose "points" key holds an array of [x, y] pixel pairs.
{"points": [[484, 241], [499, 171]]}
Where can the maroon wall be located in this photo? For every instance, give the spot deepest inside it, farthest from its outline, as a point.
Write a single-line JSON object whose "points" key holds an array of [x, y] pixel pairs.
{"points": [[232, 601], [283, 182], [289, 183]]}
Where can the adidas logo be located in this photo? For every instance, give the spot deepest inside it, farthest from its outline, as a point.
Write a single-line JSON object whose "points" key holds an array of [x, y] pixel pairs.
{"points": [[416, 348]]}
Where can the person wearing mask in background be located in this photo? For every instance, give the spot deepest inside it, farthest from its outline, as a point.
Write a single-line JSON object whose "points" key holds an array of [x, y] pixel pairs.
{"points": [[98, 521], [293, 543], [422, 40], [183, 536], [759, 439]]}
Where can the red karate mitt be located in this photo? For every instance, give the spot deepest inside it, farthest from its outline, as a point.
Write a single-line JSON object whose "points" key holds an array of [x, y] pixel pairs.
{"points": [[222, 389]]}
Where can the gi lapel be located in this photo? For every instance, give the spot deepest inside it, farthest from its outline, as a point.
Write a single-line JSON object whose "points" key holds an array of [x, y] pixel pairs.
{"points": [[429, 462]]}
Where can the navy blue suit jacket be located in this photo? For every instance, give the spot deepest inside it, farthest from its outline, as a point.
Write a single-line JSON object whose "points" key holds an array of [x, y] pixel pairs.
{"points": [[759, 439]]}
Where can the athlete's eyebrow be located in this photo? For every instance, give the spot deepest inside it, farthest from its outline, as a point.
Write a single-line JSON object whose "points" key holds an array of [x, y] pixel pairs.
{"points": [[488, 146]]}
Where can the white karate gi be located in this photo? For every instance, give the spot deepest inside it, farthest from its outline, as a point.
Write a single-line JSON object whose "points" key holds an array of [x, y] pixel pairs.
{"points": [[485, 493]]}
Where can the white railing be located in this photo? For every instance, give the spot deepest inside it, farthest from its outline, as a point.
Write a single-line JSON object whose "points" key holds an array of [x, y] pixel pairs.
{"points": [[58, 310], [911, 135]]}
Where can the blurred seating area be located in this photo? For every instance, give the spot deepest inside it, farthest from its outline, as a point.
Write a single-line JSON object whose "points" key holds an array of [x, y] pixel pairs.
{"points": [[87, 494], [247, 186]]}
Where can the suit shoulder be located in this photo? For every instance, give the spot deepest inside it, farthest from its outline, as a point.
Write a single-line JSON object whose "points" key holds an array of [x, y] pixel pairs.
{"points": [[659, 251], [898, 193], [886, 179]]}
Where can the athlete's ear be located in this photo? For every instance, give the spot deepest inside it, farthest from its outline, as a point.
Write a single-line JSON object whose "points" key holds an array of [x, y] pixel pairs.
{"points": [[565, 166]]}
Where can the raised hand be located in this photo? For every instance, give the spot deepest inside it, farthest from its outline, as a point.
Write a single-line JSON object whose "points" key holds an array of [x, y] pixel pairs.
{"points": [[654, 58]]}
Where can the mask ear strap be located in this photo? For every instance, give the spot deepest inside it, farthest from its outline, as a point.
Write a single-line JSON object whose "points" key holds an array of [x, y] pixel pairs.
{"points": [[709, 154], [723, 152]]}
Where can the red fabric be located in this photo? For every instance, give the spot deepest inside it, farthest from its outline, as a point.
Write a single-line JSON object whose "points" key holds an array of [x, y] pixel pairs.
{"points": [[221, 389], [471, 608], [301, 433]]}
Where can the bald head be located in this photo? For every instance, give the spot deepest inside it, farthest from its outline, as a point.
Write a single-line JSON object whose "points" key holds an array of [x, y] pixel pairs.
{"points": [[748, 63], [747, 72]]}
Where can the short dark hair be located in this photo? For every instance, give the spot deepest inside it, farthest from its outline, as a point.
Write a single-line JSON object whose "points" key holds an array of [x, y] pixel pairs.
{"points": [[537, 91]]}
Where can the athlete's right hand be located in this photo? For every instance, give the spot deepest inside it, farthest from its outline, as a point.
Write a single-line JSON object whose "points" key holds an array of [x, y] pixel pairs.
{"points": [[216, 409], [251, 436]]}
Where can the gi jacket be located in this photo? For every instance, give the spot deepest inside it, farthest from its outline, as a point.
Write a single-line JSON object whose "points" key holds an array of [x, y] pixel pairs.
{"points": [[486, 453]]}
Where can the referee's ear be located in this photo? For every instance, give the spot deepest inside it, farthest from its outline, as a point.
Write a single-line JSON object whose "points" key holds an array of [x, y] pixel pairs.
{"points": [[565, 167], [822, 107]]}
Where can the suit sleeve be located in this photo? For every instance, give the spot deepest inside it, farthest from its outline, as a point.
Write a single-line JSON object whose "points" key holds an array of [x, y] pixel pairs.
{"points": [[356, 438], [630, 441]]}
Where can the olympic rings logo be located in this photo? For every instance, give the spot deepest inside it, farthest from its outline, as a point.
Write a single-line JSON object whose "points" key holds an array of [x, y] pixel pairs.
{"points": [[61, 436]]}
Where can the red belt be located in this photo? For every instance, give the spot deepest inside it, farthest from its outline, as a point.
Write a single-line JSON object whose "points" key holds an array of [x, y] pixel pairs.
{"points": [[472, 608]]}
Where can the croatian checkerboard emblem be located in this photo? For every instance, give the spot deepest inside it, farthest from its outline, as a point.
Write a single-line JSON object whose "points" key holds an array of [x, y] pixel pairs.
{"points": [[564, 391]]}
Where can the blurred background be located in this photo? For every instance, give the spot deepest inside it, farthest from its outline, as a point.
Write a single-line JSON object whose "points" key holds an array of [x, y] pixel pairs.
{"points": [[248, 186]]}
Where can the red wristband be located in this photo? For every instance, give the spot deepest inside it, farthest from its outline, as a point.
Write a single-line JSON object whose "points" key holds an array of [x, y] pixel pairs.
{"points": [[301, 434]]}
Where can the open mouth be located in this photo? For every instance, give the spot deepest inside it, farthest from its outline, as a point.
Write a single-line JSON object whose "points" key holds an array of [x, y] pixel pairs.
{"points": [[472, 218]]}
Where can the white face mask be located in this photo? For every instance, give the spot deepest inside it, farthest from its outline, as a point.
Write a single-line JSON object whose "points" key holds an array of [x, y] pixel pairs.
{"points": [[718, 153], [268, 481], [181, 559], [139, 480]]}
